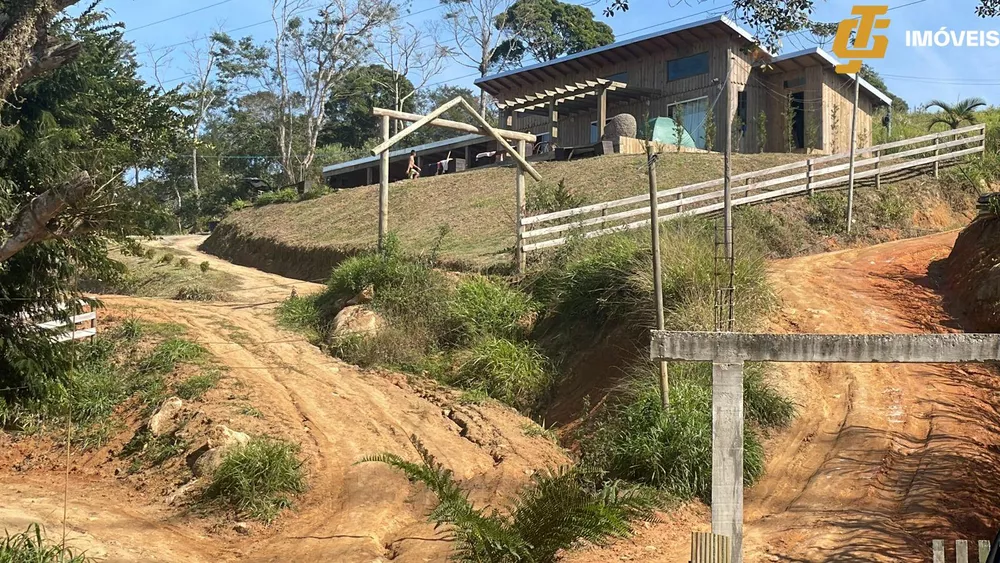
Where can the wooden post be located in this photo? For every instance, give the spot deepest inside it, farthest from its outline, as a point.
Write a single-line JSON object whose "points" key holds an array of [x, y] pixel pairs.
{"points": [[553, 121], [368, 176], [602, 112], [809, 177], [938, 547], [961, 551], [519, 198], [727, 199], [468, 157], [383, 186], [654, 228], [854, 148], [878, 168], [387, 142], [984, 550], [937, 152]]}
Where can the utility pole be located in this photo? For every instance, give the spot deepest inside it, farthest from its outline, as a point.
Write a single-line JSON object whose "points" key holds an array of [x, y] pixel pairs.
{"points": [[727, 167], [654, 228], [854, 148]]}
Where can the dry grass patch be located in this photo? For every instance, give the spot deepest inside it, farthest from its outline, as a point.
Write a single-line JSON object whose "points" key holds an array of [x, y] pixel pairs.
{"points": [[478, 205]]}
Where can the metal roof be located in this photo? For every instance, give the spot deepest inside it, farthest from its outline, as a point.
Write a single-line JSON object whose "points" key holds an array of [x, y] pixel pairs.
{"points": [[821, 56], [436, 146], [717, 21]]}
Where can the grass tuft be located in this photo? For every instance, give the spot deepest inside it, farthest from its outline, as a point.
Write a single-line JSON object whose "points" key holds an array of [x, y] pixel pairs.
{"points": [[31, 546], [196, 385], [635, 440], [258, 478], [514, 373], [483, 307]]}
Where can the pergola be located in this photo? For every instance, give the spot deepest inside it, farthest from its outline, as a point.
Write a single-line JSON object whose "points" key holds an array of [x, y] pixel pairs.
{"points": [[481, 127], [572, 98]]}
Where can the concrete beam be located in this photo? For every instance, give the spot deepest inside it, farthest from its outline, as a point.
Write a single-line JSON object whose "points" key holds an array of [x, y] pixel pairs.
{"points": [[727, 454], [853, 348]]}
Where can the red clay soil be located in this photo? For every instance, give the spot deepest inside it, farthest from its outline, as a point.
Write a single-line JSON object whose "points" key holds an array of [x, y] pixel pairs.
{"points": [[881, 458], [338, 413], [972, 275]]}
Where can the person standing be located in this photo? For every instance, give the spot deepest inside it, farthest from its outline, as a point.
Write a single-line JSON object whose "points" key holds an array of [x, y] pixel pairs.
{"points": [[412, 170]]}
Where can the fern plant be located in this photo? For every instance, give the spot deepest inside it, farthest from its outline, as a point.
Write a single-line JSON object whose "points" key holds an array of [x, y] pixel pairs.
{"points": [[555, 511]]}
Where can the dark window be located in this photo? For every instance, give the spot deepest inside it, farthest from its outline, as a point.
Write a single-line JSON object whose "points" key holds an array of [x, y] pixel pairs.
{"points": [[618, 77], [687, 67], [795, 82], [741, 109]]}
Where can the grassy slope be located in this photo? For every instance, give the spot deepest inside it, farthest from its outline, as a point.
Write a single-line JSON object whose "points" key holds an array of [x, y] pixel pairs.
{"points": [[477, 206]]}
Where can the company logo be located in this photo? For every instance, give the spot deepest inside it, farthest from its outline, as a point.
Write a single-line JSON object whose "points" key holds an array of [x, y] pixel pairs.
{"points": [[865, 24]]}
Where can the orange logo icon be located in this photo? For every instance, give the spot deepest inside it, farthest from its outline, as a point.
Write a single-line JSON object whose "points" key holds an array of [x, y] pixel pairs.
{"points": [[867, 21]]}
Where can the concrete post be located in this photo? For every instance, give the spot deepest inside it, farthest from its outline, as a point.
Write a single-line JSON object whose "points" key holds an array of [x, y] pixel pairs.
{"points": [[727, 454], [809, 176]]}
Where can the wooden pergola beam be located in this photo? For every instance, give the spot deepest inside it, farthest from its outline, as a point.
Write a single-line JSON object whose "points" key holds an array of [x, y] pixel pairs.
{"points": [[387, 144], [499, 139], [454, 125]]}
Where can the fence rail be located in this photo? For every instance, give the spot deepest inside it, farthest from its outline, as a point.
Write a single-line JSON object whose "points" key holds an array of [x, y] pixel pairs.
{"points": [[68, 329], [554, 229]]}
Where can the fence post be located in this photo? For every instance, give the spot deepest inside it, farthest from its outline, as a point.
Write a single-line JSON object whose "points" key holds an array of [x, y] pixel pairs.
{"points": [[809, 176], [937, 152], [878, 168], [961, 551], [519, 257], [938, 546], [383, 187], [984, 550]]}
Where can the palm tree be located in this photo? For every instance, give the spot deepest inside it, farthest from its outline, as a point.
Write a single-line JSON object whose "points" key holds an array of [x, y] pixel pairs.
{"points": [[954, 114]]}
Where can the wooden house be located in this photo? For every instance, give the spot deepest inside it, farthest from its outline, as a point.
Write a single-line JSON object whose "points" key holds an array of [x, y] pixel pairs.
{"points": [[684, 73]]}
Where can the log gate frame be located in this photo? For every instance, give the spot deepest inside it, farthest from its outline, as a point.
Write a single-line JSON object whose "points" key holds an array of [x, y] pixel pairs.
{"points": [[728, 350], [483, 128]]}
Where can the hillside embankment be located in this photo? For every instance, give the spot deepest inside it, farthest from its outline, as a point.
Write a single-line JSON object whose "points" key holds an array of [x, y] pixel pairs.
{"points": [[465, 221]]}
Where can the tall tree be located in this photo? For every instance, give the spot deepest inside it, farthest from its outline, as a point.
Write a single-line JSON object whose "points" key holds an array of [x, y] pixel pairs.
{"points": [[350, 122], [203, 93], [953, 115], [474, 26], [899, 105], [91, 114], [546, 29], [411, 60], [303, 65]]}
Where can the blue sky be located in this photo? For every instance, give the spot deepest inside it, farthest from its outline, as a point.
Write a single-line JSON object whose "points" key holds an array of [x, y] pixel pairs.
{"points": [[916, 74]]}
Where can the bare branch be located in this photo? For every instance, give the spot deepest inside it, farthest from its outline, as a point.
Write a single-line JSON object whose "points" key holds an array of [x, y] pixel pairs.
{"points": [[32, 223]]}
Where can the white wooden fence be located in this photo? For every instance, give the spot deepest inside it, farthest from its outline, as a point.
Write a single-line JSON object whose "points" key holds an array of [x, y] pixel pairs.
{"points": [[962, 551], [60, 326], [804, 177]]}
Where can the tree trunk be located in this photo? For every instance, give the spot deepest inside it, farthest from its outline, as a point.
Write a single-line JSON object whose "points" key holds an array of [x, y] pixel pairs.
{"points": [[194, 177], [32, 223]]}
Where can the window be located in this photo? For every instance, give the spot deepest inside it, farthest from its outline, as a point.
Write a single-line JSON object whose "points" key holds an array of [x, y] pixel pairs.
{"points": [[795, 82], [691, 115], [687, 66], [618, 77], [741, 109]]}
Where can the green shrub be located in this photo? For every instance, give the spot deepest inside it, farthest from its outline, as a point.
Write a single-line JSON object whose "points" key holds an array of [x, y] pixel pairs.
{"points": [[30, 547], [204, 266], [258, 478], [299, 313], [633, 439], [286, 195], [828, 212], [483, 307], [514, 373], [548, 198], [183, 262], [551, 515], [166, 258], [167, 354], [149, 254], [196, 385]]}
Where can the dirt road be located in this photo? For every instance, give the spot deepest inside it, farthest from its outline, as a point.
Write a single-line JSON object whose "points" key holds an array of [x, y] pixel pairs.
{"points": [[338, 413], [882, 458]]}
